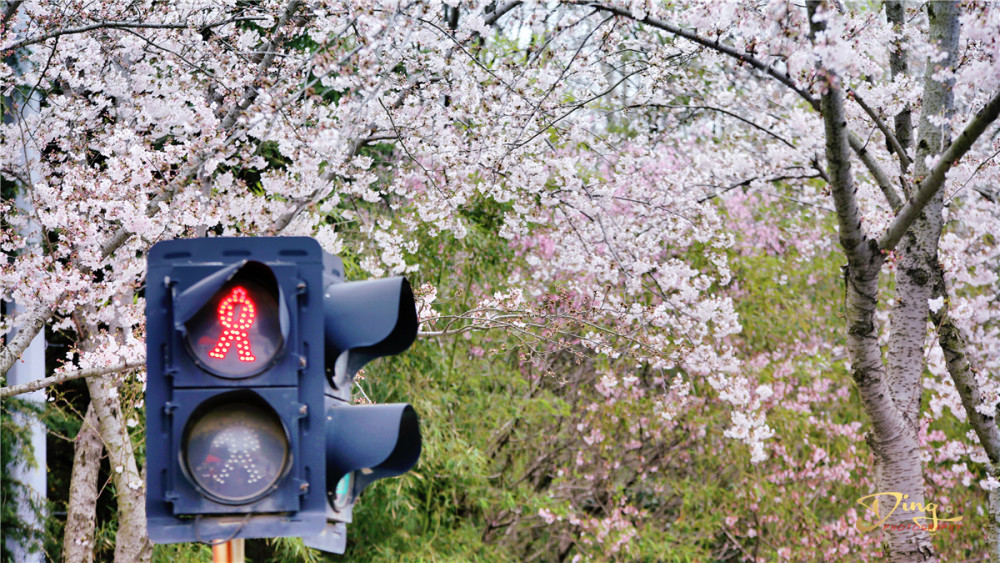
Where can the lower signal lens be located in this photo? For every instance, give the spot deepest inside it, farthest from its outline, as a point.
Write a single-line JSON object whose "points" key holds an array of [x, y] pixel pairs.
{"points": [[236, 451]]}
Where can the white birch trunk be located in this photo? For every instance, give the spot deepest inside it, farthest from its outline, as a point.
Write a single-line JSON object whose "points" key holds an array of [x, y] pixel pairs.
{"points": [[893, 439], [131, 541], [918, 251]]}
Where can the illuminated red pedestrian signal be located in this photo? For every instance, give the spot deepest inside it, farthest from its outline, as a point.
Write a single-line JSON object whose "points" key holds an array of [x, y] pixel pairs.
{"points": [[236, 315], [237, 332]]}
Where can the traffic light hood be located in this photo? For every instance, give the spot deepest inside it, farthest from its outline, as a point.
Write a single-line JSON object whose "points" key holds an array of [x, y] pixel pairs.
{"points": [[369, 319], [191, 300], [375, 441]]}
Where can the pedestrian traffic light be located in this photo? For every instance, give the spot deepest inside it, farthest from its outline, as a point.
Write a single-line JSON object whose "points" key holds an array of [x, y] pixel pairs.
{"points": [[235, 383], [252, 346]]}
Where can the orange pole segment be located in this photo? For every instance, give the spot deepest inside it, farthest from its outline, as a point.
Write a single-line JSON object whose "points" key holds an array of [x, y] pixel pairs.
{"points": [[228, 552], [220, 553]]}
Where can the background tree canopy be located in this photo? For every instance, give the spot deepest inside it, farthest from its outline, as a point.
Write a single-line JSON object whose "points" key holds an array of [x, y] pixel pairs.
{"points": [[693, 278]]}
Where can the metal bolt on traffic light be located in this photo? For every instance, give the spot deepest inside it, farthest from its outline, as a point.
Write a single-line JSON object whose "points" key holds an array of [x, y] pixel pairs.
{"points": [[251, 350]]}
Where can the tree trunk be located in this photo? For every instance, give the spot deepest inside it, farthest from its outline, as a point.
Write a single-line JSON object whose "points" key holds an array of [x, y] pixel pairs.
{"points": [[131, 542], [914, 283], [918, 253], [899, 66], [81, 513], [893, 440], [994, 511]]}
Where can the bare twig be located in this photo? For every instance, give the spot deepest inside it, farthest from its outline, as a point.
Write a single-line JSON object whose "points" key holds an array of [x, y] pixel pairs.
{"points": [[904, 159], [749, 122], [876, 171], [576, 107], [715, 45]]}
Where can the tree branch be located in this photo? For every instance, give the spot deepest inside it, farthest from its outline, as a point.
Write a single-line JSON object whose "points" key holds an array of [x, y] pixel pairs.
{"points": [[10, 11], [119, 25], [876, 171], [574, 108], [904, 159], [748, 181], [36, 319], [880, 177], [842, 186], [37, 384], [714, 45], [960, 368], [935, 179], [251, 92], [734, 115], [501, 11]]}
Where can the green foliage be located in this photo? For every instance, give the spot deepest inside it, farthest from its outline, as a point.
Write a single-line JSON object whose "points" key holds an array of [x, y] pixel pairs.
{"points": [[433, 513], [182, 553], [16, 450], [63, 423]]}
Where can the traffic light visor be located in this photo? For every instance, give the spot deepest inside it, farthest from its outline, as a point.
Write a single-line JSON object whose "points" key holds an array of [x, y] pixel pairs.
{"points": [[370, 319], [379, 441], [235, 449]]}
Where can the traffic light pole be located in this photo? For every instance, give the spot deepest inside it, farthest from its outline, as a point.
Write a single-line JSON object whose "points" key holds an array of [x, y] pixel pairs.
{"points": [[228, 552]]}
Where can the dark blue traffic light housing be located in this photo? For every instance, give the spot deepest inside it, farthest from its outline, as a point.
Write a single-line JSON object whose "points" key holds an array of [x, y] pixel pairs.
{"points": [[252, 347], [235, 389]]}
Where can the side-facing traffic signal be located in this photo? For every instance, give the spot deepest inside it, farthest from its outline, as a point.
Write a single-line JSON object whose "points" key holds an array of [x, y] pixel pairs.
{"points": [[364, 320]]}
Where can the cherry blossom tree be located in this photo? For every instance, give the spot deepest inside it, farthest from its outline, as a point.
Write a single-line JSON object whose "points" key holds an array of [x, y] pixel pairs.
{"points": [[612, 147]]}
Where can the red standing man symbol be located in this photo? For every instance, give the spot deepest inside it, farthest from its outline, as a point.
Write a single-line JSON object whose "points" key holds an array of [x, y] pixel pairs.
{"points": [[236, 314]]}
